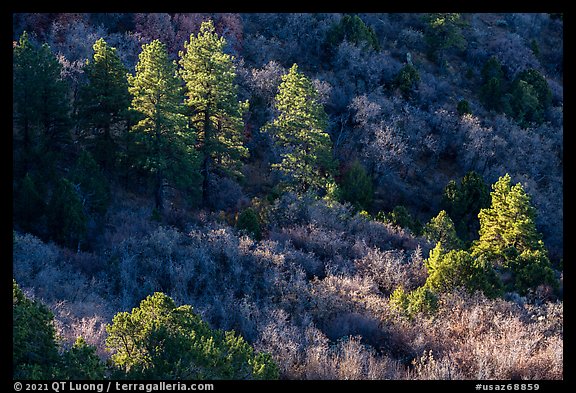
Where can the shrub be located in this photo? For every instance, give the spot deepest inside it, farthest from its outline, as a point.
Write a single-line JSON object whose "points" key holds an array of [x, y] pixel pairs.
{"points": [[401, 217], [356, 187], [427, 367], [304, 352], [463, 107], [412, 38], [399, 299], [226, 194], [30, 256], [406, 80], [421, 300], [482, 338], [248, 221], [390, 269]]}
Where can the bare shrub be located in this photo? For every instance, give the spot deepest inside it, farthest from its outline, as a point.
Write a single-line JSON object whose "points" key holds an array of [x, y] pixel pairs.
{"points": [[325, 244], [30, 255], [427, 367], [349, 305], [335, 325], [305, 353], [66, 283], [226, 194], [332, 231], [477, 338], [349, 359], [391, 269], [310, 263], [287, 343], [70, 326], [412, 38], [129, 215], [87, 263]]}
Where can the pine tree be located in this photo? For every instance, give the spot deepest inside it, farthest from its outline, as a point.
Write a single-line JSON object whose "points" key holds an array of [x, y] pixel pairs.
{"points": [[350, 28], [93, 187], [443, 31], [54, 108], [25, 104], [441, 229], [166, 142], [29, 205], [214, 110], [65, 213], [451, 269], [509, 239], [299, 131], [529, 97], [81, 362], [103, 101], [463, 201], [35, 352], [41, 109], [492, 88], [356, 186], [508, 222], [159, 340]]}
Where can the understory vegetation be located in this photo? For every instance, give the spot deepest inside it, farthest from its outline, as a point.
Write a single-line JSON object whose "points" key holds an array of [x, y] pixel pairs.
{"points": [[287, 196]]}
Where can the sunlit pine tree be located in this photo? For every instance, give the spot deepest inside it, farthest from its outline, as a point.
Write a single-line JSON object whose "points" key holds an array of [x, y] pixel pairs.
{"points": [[165, 141], [214, 111], [509, 239], [299, 130]]}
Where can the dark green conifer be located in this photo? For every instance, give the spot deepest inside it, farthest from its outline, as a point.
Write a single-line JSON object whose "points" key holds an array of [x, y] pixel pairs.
{"points": [[214, 111], [163, 136]]}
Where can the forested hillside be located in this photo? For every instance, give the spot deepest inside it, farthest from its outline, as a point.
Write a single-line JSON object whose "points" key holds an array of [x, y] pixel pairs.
{"points": [[293, 196]]}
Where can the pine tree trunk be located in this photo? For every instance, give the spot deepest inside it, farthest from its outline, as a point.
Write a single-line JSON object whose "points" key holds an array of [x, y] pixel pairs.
{"points": [[27, 147], [206, 162], [205, 182], [109, 151], [159, 195]]}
